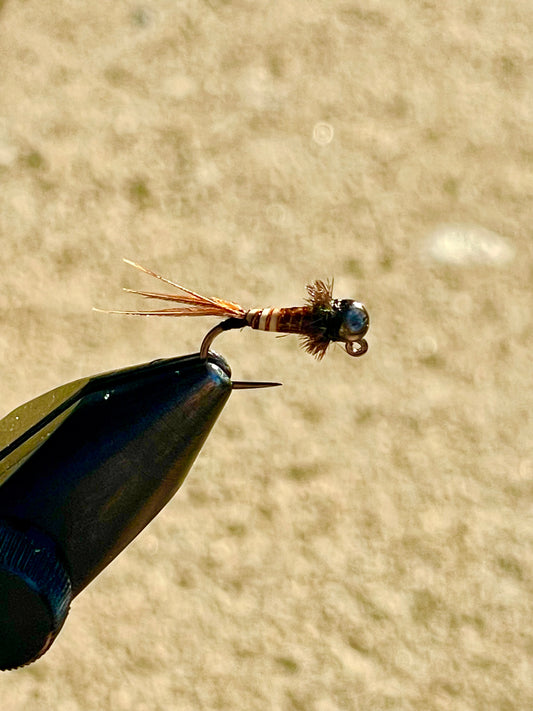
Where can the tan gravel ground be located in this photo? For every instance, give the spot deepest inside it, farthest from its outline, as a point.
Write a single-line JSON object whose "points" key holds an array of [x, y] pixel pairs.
{"points": [[360, 539]]}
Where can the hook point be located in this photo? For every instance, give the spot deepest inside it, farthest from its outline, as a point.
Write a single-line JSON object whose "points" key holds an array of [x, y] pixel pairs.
{"points": [[251, 385]]}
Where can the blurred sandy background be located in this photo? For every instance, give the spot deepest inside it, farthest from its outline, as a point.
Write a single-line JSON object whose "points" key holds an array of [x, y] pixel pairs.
{"points": [[360, 539]]}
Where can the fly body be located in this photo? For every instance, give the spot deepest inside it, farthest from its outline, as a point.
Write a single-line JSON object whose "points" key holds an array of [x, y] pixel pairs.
{"points": [[320, 321]]}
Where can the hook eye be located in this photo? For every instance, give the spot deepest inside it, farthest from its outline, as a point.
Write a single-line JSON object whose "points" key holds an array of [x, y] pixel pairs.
{"points": [[356, 352]]}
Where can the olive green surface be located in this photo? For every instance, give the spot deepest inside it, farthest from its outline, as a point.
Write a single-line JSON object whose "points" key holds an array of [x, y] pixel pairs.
{"points": [[362, 538]]}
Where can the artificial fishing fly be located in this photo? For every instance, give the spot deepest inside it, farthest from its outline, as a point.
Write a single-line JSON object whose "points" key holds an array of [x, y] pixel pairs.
{"points": [[321, 321]]}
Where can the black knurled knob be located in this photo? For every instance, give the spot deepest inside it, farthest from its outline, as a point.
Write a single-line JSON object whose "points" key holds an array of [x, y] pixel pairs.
{"points": [[35, 595]]}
